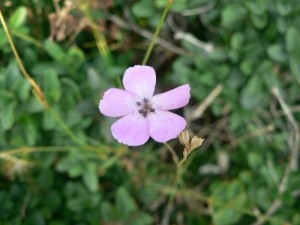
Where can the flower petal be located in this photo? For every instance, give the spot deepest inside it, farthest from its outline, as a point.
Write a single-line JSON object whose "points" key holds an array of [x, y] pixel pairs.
{"points": [[117, 102], [173, 99], [164, 125], [131, 129], [140, 80]]}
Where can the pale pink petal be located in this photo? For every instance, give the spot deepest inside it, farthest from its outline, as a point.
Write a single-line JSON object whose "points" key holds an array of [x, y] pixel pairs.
{"points": [[131, 129], [164, 125], [117, 102], [173, 99], [140, 80]]}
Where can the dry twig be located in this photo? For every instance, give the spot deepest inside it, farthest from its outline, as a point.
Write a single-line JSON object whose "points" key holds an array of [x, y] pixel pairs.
{"points": [[196, 112], [163, 43], [294, 134]]}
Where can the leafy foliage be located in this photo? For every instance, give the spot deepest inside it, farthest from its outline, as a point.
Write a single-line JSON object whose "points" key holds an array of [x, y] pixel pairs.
{"points": [[61, 165]]}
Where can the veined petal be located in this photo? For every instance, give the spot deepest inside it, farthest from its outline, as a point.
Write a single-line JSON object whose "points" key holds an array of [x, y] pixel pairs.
{"points": [[172, 99], [117, 102], [140, 80], [131, 129], [164, 125]]}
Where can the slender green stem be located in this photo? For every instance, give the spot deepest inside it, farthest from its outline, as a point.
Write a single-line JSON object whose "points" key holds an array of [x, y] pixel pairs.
{"points": [[66, 128], [162, 19], [174, 156]]}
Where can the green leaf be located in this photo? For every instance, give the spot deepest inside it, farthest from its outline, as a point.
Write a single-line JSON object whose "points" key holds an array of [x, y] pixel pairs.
{"points": [[18, 18], [284, 8], [252, 95], [292, 42], [281, 24], [34, 106], [226, 201], [76, 170], [80, 203], [248, 66], [5, 98], [69, 161], [52, 85], [277, 53], [108, 213], [31, 132], [93, 78], [3, 38], [90, 177], [125, 203], [254, 160], [54, 50], [237, 40], [233, 16], [259, 22], [49, 122], [24, 91], [140, 219], [295, 68], [13, 76], [207, 79], [219, 54], [75, 58], [143, 9], [256, 6], [7, 116]]}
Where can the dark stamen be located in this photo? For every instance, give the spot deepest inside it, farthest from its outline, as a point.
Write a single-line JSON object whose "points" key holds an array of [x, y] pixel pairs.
{"points": [[141, 111], [152, 110], [144, 113], [138, 103], [145, 100]]}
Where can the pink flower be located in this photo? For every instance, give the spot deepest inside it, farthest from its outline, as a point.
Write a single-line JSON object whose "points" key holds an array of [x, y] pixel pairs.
{"points": [[144, 115]]}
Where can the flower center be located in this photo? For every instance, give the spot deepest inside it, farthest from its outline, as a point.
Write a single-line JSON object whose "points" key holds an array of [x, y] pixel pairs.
{"points": [[145, 107]]}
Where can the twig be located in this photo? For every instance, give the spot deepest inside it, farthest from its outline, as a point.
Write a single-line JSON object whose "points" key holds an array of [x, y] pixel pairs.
{"points": [[202, 9], [24, 207], [277, 203], [217, 130], [208, 47], [167, 214], [295, 134], [247, 136], [196, 112], [146, 34], [277, 113]]}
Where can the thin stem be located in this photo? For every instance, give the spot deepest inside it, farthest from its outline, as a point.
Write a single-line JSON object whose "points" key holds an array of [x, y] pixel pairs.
{"points": [[176, 183], [27, 150], [174, 156], [29, 78], [157, 32], [66, 128]]}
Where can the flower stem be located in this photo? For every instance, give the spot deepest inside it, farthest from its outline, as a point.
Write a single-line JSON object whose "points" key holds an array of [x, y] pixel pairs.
{"points": [[177, 179], [157, 32], [174, 156]]}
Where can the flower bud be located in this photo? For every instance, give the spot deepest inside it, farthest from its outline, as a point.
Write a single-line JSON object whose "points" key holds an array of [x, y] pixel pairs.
{"points": [[184, 137], [195, 142]]}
